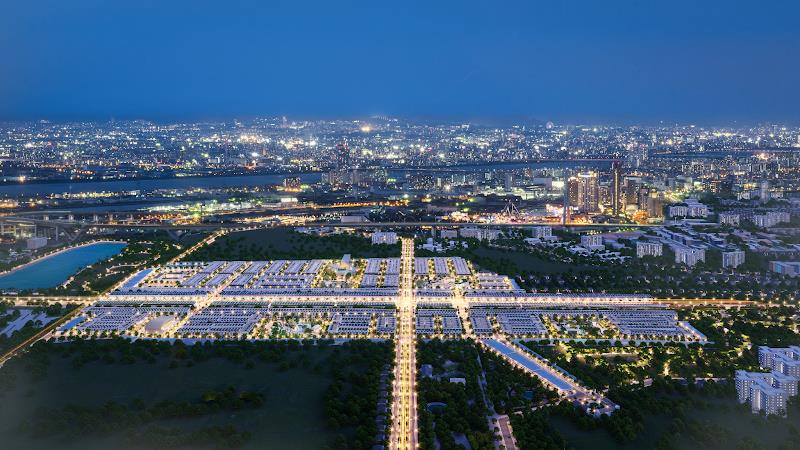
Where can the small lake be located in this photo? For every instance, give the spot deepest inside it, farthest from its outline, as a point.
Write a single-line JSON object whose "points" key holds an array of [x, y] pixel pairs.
{"points": [[55, 270]]}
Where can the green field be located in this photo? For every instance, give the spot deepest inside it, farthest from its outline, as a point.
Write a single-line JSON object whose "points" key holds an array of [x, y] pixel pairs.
{"points": [[285, 243], [70, 389]]}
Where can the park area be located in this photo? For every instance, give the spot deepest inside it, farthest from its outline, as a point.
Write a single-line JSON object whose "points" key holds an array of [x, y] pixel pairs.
{"points": [[717, 425], [285, 243], [114, 394], [514, 262], [665, 416]]}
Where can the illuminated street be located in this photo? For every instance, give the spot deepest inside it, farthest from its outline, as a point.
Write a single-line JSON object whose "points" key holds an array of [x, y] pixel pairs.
{"points": [[404, 411]]}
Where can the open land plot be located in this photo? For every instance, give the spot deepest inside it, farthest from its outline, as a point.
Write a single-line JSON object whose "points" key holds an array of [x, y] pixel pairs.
{"points": [[725, 425], [721, 424], [599, 439], [51, 401]]}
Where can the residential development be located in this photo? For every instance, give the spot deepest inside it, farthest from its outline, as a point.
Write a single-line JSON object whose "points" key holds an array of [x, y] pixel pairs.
{"points": [[768, 392]]}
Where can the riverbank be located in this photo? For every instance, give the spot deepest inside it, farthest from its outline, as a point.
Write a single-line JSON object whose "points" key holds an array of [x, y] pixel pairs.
{"points": [[150, 184], [14, 181]]}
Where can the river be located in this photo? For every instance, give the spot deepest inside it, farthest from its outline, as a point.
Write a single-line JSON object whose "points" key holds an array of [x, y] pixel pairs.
{"points": [[149, 185]]}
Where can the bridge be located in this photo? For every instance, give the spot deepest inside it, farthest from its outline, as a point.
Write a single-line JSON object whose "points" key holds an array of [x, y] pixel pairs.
{"points": [[70, 225], [233, 225]]}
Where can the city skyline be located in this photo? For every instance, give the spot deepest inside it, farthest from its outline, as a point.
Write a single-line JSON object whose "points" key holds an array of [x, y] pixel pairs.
{"points": [[450, 225]]}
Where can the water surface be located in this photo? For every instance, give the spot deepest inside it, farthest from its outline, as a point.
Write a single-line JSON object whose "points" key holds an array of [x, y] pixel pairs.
{"points": [[54, 270]]}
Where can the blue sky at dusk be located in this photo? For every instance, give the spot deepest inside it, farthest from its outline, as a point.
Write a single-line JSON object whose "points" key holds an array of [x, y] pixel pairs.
{"points": [[618, 61]]}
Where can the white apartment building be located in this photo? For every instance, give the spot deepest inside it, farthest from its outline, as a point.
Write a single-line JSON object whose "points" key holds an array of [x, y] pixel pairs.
{"points": [[432, 246], [649, 249], [762, 220], [767, 392], [678, 211], [788, 383], [690, 208], [732, 259], [384, 237], [543, 233], [787, 365], [783, 360], [448, 234], [35, 243], [788, 268], [696, 209], [688, 255], [764, 397], [592, 242], [729, 219], [479, 233], [771, 219]]}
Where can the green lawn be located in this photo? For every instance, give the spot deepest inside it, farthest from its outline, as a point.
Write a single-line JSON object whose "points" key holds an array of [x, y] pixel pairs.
{"points": [[292, 416]]}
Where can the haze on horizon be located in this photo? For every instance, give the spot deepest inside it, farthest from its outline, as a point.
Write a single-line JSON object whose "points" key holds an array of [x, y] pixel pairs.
{"points": [[627, 62]]}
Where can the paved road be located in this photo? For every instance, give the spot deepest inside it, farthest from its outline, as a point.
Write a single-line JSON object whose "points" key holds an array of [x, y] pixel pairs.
{"points": [[404, 435], [504, 423], [720, 302], [494, 419], [206, 226], [47, 299], [566, 386]]}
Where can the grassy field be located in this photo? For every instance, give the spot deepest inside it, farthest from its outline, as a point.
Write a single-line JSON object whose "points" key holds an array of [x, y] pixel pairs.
{"points": [[285, 243], [292, 415]]}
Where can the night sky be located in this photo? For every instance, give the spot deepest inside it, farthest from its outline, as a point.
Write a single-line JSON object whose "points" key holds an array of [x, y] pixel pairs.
{"points": [[700, 61]]}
